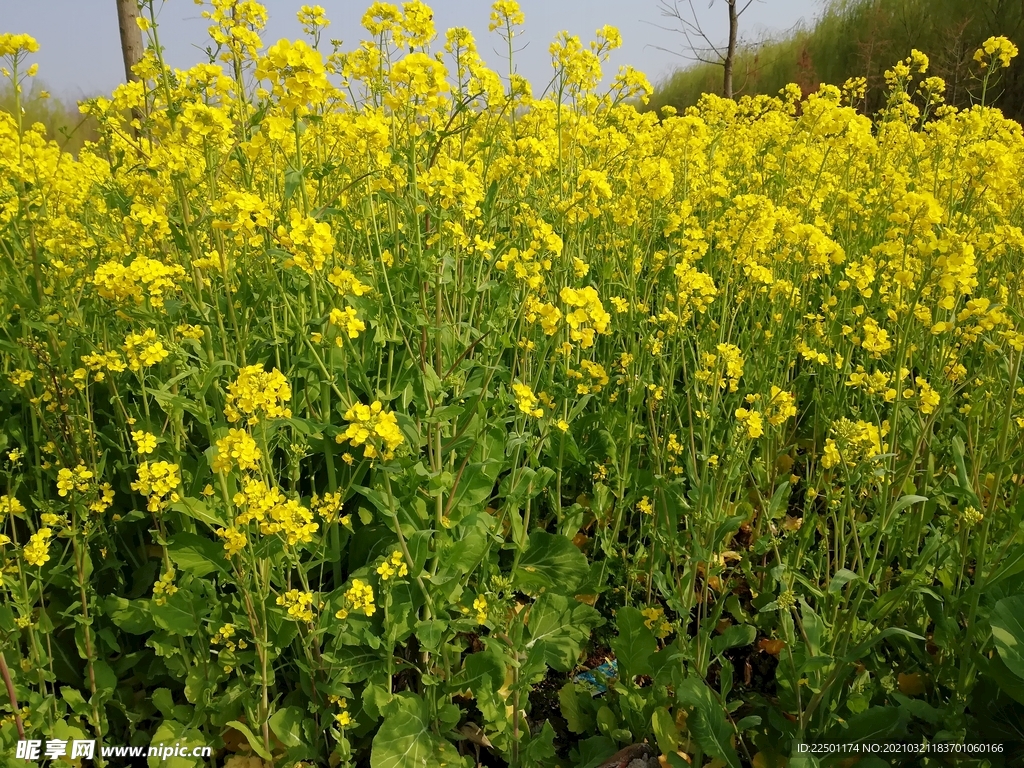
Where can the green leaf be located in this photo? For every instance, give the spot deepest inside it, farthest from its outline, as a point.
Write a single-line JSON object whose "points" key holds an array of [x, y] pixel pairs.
{"points": [[175, 615], [708, 723], [196, 554], [961, 471], [873, 726], [634, 644], [734, 636], [1007, 682], [201, 511], [539, 749], [485, 675], [163, 701], [1008, 632], [255, 743], [576, 718], [358, 665], [558, 630], [171, 732], [864, 647], [132, 616], [404, 739], [665, 731], [550, 562], [777, 506], [287, 726], [843, 577], [906, 501]]}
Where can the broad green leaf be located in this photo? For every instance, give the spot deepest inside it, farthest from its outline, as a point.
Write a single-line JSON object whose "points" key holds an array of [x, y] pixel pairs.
{"points": [[132, 616], [405, 739], [665, 730], [485, 676], [287, 725], [906, 501], [171, 732], [708, 723], [842, 577], [201, 511], [196, 554], [735, 636], [558, 628], [539, 749], [176, 615], [873, 726], [1008, 632], [357, 664], [577, 719], [550, 562], [255, 742], [864, 647], [163, 701], [634, 644]]}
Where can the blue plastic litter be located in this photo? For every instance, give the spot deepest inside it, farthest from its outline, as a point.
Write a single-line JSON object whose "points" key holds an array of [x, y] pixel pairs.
{"points": [[591, 678]]}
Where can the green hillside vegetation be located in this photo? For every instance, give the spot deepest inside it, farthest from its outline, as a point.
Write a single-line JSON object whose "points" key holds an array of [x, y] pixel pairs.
{"points": [[863, 38], [64, 124]]}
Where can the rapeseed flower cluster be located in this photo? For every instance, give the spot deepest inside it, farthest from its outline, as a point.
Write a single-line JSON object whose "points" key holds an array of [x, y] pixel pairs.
{"points": [[393, 567], [298, 604], [373, 428], [274, 513], [37, 550], [159, 481], [237, 449], [358, 597], [258, 394]]}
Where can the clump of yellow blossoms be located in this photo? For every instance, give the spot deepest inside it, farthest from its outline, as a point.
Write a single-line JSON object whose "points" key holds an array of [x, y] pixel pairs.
{"points": [[37, 551], [223, 637], [359, 597], [996, 50], [782, 406], [144, 442], [654, 618], [9, 505], [73, 480], [308, 241], [12, 44], [725, 369], [257, 394], [587, 316], [274, 512], [752, 421], [328, 507], [527, 400], [159, 480], [299, 604], [373, 428], [343, 719], [144, 349], [143, 278], [855, 441], [393, 566], [348, 320], [237, 449], [234, 540], [480, 606], [164, 587]]}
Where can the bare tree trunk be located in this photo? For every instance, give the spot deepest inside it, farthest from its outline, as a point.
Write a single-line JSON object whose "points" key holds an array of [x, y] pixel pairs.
{"points": [[131, 35], [730, 55]]}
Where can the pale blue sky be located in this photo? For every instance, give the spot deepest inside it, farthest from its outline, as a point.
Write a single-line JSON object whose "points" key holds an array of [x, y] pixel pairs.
{"points": [[80, 50]]}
